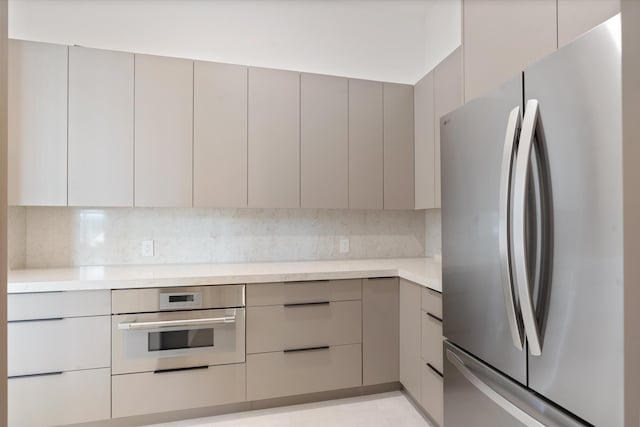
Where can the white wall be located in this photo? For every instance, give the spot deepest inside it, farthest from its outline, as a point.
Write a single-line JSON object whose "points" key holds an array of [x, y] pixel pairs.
{"points": [[388, 40]]}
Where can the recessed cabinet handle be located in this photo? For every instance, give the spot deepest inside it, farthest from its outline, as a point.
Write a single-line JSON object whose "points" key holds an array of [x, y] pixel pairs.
{"points": [[433, 316], [437, 372], [192, 368], [46, 374], [302, 304], [298, 350]]}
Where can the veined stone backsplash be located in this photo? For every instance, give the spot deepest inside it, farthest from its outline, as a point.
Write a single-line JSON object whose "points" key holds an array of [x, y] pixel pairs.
{"points": [[41, 237]]}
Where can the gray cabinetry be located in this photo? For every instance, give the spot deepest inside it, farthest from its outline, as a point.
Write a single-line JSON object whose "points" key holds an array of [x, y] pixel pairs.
{"points": [[219, 135], [100, 127], [398, 146], [324, 142]]}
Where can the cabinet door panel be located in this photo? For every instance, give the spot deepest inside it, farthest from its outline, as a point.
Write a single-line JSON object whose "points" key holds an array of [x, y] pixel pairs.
{"points": [[410, 338], [274, 139], [365, 145], [501, 38], [37, 119], [220, 135], [576, 17], [447, 82], [100, 127], [324, 142], [399, 177], [163, 131], [425, 162], [66, 398], [380, 326]]}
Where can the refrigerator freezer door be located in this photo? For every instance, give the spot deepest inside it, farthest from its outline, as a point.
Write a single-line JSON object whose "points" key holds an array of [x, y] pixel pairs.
{"points": [[578, 90], [475, 308], [477, 395]]}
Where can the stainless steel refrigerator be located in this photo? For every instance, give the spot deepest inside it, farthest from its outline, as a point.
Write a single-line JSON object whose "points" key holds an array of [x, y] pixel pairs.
{"points": [[532, 244]]}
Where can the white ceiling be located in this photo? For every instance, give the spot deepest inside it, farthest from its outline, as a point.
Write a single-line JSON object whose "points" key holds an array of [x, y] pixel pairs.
{"points": [[389, 40]]}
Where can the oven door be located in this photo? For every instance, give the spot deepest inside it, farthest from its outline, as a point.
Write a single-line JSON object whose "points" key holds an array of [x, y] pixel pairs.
{"points": [[179, 339]]}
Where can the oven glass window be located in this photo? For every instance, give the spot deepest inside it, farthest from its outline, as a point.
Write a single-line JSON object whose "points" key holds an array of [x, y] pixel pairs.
{"points": [[174, 340]]}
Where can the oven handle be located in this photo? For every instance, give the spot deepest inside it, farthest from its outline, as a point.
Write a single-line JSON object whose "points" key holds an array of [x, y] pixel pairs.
{"points": [[174, 323]]}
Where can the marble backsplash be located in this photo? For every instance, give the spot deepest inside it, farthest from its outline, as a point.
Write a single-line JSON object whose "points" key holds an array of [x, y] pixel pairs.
{"points": [[41, 237], [433, 229]]}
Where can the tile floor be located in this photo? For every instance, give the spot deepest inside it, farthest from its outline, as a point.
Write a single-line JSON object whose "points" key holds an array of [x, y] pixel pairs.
{"points": [[379, 410]]}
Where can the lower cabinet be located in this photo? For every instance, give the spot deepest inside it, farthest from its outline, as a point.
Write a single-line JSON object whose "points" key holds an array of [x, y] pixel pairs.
{"points": [[303, 337], [287, 373], [148, 392], [421, 347], [61, 398], [410, 338]]}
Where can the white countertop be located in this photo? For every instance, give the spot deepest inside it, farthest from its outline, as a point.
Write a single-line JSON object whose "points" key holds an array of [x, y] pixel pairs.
{"points": [[423, 271]]}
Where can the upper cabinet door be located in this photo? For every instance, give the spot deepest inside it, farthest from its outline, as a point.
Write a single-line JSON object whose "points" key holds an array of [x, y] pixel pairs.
{"points": [[425, 162], [447, 82], [37, 134], [365, 144], [100, 127], [576, 17], [324, 143], [501, 38], [219, 135], [163, 131], [274, 138], [399, 176]]}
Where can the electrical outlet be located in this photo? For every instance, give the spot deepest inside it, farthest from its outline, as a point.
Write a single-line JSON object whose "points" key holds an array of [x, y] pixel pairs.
{"points": [[147, 248], [344, 246]]}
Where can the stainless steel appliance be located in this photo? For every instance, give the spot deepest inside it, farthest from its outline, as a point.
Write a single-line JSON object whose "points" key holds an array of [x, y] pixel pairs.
{"points": [[167, 329], [532, 244]]}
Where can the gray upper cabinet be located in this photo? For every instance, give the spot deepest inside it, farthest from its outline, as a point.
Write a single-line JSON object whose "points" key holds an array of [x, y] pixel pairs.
{"points": [[447, 81], [100, 127], [324, 142], [365, 145], [501, 38], [398, 131], [576, 17], [274, 139], [37, 118], [220, 135], [424, 143], [163, 131]]}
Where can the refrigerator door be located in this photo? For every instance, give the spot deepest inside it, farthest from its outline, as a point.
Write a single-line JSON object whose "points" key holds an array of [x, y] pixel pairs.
{"points": [[578, 90], [480, 310], [477, 395]]}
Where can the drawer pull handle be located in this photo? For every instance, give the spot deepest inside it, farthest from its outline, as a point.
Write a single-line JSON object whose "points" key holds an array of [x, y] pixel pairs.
{"points": [[302, 304], [297, 350], [433, 316], [46, 319], [46, 374], [192, 368], [309, 281], [437, 372]]}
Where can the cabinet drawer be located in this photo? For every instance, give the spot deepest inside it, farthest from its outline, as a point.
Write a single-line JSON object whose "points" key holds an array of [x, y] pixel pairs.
{"points": [[46, 305], [67, 398], [301, 292], [281, 327], [432, 302], [432, 394], [44, 346], [285, 374], [432, 341], [147, 393]]}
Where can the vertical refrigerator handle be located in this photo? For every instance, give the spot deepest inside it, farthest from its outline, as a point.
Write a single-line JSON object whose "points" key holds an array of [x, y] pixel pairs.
{"points": [[504, 226], [523, 161]]}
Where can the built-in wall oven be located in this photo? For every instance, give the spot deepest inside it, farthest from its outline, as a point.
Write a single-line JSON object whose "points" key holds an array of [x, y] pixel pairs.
{"points": [[166, 329]]}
